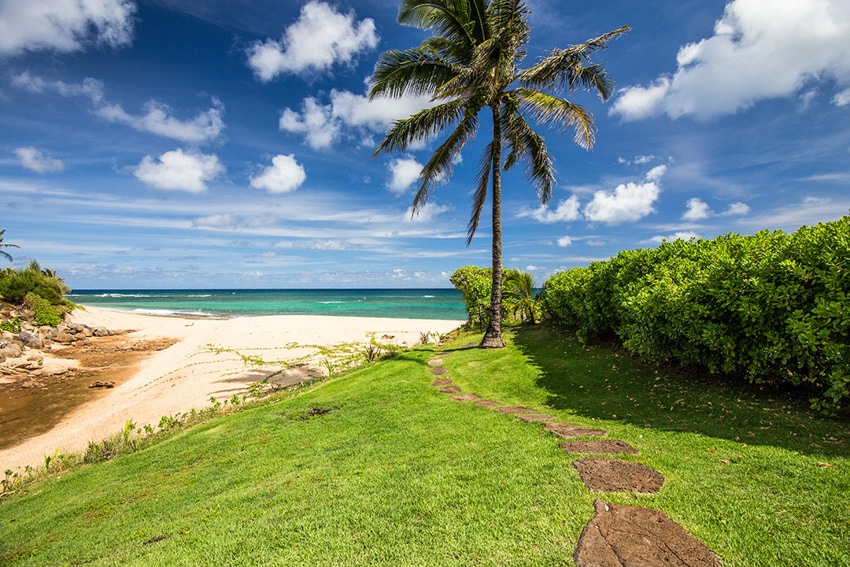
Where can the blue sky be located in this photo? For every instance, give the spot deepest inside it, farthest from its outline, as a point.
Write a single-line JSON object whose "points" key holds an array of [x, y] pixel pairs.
{"points": [[227, 144]]}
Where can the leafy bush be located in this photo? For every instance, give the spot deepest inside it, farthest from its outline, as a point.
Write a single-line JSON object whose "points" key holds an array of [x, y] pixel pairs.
{"points": [[16, 284], [11, 325], [474, 284], [772, 307], [45, 313]]}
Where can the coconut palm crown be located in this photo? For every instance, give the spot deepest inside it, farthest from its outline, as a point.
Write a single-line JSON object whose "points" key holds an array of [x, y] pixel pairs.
{"points": [[470, 64]]}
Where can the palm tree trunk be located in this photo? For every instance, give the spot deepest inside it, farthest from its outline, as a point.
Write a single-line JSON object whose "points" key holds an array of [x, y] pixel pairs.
{"points": [[493, 335]]}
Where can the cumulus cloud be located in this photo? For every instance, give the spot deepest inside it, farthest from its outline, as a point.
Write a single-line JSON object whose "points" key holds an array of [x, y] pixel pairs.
{"points": [[64, 25], [842, 98], [179, 171], [157, 118], [565, 241], [567, 210], [657, 240], [320, 38], [322, 125], [282, 176], [697, 210], [403, 174], [426, 213], [628, 202], [760, 49], [35, 160]]}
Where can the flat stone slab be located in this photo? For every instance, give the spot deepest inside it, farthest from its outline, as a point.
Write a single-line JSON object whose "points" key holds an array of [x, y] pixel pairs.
{"points": [[435, 362], [515, 410], [450, 390], [444, 381], [489, 404], [466, 397], [572, 430], [605, 446], [628, 536], [439, 371], [535, 417], [614, 475]]}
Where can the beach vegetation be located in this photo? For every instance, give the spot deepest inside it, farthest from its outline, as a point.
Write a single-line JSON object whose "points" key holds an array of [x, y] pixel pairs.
{"points": [[470, 66], [771, 308], [376, 467], [520, 302], [42, 291]]}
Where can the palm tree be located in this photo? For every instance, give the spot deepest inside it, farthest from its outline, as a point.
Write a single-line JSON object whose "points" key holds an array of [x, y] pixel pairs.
{"points": [[519, 290], [2, 245], [468, 66]]}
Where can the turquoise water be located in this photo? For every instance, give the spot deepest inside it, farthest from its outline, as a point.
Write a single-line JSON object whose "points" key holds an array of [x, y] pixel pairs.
{"points": [[444, 304]]}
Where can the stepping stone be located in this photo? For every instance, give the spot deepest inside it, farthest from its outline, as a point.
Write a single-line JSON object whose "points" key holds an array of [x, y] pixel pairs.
{"points": [[535, 417], [435, 362], [605, 446], [466, 397], [468, 346], [444, 381], [439, 371], [488, 404], [628, 536], [613, 475], [572, 430], [450, 390], [515, 410]]}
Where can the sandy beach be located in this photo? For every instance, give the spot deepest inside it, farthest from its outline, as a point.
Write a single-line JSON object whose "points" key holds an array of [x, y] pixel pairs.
{"points": [[211, 358]]}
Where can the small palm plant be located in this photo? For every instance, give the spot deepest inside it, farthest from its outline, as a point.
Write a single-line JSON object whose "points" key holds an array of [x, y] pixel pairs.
{"points": [[520, 295], [4, 245]]}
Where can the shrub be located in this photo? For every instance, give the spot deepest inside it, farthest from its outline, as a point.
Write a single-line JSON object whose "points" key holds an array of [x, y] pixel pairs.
{"points": [[772, 307], [44, 312], [16, 284]]}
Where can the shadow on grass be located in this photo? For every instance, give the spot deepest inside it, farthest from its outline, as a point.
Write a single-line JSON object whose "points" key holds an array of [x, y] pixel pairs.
{"points": [[597, 382]]}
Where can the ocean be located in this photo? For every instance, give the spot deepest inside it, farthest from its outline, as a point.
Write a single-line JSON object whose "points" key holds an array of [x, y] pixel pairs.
{"points": [[446, 304]]}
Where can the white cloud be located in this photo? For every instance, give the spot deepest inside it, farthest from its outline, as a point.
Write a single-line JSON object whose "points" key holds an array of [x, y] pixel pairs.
{"points": [[637, 160], [206, 126], [324, 124], [179, 171], [282, 176], [567, 211], [656, 173], [697, 210], [64, 25], [320, 38], [842, 98], [426, 213], [629, 202], [35, 160], [229, 221], [736, 209], [565, 241], [760, 49], [403, 174], [326, 244]]}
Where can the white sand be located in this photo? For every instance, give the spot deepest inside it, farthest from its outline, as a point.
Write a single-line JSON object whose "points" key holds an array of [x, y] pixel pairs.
{"points": [[208, 361]]}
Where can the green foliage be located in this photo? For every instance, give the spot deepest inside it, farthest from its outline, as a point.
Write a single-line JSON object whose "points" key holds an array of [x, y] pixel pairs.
{"points": [[16, 284], [44, 312], [520, 297], [11, 325], [771, 307], [474, 284]]}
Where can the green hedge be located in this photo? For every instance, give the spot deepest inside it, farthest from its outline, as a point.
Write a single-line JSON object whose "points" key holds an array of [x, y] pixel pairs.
{"points": [[772, 307]]}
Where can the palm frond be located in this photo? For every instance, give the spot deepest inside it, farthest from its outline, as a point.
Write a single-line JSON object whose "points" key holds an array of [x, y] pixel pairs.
{"points": [[485, 166], [570, 69], [548, 109], [528, 146], [409, 72], [420, 126], [449, 18], [440, 165]]}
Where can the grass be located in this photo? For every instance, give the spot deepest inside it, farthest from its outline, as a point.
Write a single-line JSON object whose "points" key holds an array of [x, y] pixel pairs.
{"points": [[377, 468]]}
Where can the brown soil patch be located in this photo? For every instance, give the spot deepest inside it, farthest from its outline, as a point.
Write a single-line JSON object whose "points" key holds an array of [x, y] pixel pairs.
{"points": [[573, 430], [442, 381], [628, 536], [435, 362], [515, 409], [613, 475], [488, 404], [439, 371], [450, 390], [466, 397], [33, 404], [605, 446], [535, 417]]}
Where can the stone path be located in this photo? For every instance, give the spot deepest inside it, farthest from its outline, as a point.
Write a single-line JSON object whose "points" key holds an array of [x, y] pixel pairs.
{"points": [[617, 535]]}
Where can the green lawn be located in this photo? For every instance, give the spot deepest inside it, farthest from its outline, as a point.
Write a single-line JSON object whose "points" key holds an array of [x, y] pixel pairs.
{"points": [[398, 474]]}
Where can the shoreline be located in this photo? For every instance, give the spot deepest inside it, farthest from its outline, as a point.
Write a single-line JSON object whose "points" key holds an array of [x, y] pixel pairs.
{"points": [[212, 358]]}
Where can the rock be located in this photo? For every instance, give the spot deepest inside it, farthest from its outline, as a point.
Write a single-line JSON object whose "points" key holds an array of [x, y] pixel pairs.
{"points": [[64, 338], [100, 332], [11, 350], [30, 339], [614, 475], [99, 384], [628, 536]]}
